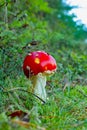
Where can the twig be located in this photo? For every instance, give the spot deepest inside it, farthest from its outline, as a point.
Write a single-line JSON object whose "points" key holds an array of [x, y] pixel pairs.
{"points": [[65, 86], [21, 89]]}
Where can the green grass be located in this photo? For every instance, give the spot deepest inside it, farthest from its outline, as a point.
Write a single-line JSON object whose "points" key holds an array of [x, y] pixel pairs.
{"points": [[64, 110]]}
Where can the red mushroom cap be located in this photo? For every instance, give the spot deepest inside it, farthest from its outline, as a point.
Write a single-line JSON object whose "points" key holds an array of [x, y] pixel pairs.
{"points": [[38, 62]]}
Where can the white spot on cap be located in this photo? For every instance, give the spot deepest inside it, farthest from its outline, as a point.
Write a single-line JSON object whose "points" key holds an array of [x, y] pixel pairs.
{"points": [[39, 51], [37, 55], [28, 68], [31, 72], [29, 54]]}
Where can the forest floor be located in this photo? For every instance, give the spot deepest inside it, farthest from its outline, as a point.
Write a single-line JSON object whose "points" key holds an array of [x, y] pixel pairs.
{"points": [[65, 109]]}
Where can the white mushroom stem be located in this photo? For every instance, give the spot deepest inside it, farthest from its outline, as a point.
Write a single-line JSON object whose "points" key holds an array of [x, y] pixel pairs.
{"points": [[39, 83]]}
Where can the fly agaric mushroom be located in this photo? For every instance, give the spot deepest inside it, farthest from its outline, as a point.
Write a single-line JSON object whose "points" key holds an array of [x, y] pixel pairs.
{"points": [[37, 66]]}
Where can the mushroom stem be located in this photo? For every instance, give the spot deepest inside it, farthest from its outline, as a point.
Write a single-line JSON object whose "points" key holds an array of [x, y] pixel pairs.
{"points": [[39, 83]]}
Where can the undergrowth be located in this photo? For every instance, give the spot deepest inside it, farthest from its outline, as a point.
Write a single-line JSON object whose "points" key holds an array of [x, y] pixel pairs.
{"points": [[65, 109]]}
